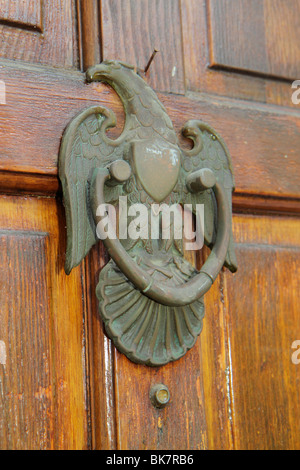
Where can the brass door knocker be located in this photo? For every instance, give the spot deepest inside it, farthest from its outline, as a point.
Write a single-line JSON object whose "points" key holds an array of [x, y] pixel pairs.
{"points": [[150, 297]]}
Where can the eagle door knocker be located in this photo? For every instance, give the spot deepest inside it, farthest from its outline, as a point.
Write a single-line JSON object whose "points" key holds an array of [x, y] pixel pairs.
{"points": [[150, 297]]}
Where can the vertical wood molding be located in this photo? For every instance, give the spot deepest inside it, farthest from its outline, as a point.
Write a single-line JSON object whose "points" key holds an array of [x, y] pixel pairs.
{"points": [[89, 32], [100, 359]]}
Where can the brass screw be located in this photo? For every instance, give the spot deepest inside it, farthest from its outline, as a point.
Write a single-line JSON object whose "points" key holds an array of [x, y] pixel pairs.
{"points": [[159, 395]]}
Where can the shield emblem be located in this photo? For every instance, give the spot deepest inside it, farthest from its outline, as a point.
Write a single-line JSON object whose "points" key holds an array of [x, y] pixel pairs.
{"points": [[157, 165]]}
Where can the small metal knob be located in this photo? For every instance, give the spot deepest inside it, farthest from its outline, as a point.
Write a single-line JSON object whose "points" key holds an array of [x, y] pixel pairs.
{"points": [[201, 180], [159, 395], [120, 172]]}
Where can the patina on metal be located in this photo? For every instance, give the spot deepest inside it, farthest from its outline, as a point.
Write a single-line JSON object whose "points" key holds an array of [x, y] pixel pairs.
{"points": [[150, 297]]}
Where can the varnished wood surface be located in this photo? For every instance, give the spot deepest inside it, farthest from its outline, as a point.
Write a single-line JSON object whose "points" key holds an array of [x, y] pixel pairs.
{"points": [[89, 32], [262, 313], [149, 427], [40, 32], [237, 388], [101, 359], [26, 13], [263, 140], [251, 203], [62, 383], [131, 30], [229, 375], [255, 36], [197, 39], [43, 384], [123, 416]]}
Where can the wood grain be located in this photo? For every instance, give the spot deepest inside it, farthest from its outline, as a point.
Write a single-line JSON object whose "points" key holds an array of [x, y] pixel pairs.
{"points": [[22, 40], [43, 399], [22, 14], [89, 32], [62, 383], [263, 140], [214, 350], [101, 359], [240, 388], [261, 304], [197, 40], [182, 424], [132, 30], [26, 391], [282, 33], [255, 36], [256, 204], [198, 415]]}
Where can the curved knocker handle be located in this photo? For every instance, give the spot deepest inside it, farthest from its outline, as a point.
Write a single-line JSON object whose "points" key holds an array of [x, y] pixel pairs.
{"points": [[187, 292]]}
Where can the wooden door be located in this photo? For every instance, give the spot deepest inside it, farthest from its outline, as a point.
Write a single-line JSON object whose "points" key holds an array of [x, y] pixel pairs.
{"points": [[63, 385]]}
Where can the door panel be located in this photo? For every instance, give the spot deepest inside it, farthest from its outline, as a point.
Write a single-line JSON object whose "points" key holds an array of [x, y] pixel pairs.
{"points": [[247, 27], [62, 383], [263, 322], [25, 13], [260, 46], [39, 32], [43, 388]]}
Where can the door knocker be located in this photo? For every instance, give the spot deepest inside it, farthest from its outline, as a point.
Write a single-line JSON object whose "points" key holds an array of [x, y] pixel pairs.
{"points": [[150, 297]]}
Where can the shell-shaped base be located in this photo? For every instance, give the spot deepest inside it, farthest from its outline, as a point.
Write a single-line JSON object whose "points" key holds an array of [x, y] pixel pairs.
{"points": [[144, 330]]}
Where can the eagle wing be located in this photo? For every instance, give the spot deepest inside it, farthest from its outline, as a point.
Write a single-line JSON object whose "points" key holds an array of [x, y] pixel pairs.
{"points": [[209, 151], [84, 147]]}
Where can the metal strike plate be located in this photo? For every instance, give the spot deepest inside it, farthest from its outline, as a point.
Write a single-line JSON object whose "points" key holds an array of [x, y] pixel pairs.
{"points": [[150, 297]]}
